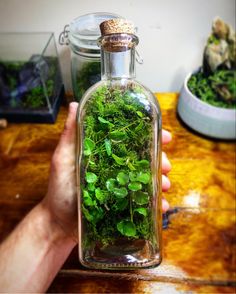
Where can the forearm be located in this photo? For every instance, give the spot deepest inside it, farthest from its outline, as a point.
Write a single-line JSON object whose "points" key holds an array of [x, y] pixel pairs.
{"points": [[33, 254]]}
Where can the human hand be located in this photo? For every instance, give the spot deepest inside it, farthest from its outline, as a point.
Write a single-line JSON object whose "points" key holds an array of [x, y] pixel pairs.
{"points": [[61, 197]]}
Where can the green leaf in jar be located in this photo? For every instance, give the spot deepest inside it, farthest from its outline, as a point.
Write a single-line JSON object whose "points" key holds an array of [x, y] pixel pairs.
{"points": [[141, 210], [122, 178], [111, 184], [87, 199], [108, 147], [135, 186], [100, 195], [104, 121], [119, 160], [120, 192], [141, 197], [89, 145], [142, 163], [143, 177], [127, 228], [91, 177], [118, 135]]}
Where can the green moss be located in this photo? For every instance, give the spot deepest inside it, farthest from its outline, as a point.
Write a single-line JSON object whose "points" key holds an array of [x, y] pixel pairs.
{"points": [[35, 98], [88, 75], [218, 89], [116, 164]]}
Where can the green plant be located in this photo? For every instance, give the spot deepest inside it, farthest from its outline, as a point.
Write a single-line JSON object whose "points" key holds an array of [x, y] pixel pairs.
{"points": [[88, 75], [217, 89], [215, 82], [116, 186], [34, 98]]}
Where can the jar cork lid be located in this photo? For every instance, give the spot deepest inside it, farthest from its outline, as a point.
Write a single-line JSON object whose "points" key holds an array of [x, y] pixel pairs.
{"points": [[117, 26]]}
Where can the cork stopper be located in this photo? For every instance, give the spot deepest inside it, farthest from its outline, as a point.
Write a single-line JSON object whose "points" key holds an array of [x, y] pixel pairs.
{"points": [[116, 26]]}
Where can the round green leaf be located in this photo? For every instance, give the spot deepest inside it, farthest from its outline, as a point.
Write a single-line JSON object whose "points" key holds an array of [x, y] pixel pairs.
{"points": [[89, 145], [127, 228], [141, 198], [120, 192], [111, 184], [122, 178], [100, 195], [91, 177], [141, 210], [135, 186], [143, 177]]}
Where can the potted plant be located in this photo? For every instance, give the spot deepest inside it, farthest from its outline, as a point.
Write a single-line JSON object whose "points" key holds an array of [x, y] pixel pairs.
{"points": [[207, 100]]}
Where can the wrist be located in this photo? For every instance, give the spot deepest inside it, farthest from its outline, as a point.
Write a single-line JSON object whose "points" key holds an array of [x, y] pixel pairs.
{"points": [[55, 232], [38, 247]]}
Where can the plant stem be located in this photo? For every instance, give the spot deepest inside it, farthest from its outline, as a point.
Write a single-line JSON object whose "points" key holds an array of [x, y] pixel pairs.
{"points": [[130, 206]]}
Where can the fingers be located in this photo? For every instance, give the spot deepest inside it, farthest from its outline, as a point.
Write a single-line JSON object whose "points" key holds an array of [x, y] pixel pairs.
{"points": [[166, 165], [68, 134], [165, 183], [165, 205], [65, 151], [166, 137]]}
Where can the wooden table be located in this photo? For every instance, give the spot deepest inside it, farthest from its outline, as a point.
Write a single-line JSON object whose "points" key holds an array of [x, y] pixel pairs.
{"points": [[199, 243]]}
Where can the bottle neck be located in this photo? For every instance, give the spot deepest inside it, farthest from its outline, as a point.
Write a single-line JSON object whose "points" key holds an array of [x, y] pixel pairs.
{"points": [[118, 65], [118, 56]]}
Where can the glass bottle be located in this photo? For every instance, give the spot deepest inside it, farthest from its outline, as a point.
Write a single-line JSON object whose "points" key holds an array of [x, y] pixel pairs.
{"points": [[118, 161]]}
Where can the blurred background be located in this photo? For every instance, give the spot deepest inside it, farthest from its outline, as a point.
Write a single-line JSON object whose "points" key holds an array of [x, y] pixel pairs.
{"points": [[172, 33]]}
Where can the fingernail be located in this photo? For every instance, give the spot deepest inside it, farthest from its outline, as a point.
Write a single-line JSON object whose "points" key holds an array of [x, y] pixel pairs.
{"points": [[73, 106], [166, 158], [168, 134], [168, 163], [165, 205], [165, 183]]}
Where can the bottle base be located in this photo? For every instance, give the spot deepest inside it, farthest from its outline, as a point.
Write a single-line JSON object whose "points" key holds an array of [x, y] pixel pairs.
{"points": [[123, 255]]}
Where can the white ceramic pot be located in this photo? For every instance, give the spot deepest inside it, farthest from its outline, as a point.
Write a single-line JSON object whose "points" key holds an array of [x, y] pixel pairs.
{"points": [[204, 118]]}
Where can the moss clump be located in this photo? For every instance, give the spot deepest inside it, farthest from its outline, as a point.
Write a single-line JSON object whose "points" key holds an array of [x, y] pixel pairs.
{"points": [[217, 89], [116, 184]]}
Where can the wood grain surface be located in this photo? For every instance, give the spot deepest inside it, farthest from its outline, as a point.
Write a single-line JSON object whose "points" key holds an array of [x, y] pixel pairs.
{"points": [[200, 241]]}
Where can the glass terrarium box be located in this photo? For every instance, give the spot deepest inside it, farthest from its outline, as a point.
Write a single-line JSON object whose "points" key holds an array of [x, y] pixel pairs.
{"points": [[31, 86]]}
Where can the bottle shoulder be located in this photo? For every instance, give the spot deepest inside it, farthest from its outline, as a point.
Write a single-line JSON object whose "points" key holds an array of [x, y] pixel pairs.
{"points": [[149, 94]]}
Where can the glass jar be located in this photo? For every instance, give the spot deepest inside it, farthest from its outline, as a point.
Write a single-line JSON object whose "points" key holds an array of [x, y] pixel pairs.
{"points": [[118, 161], [82, 34]]}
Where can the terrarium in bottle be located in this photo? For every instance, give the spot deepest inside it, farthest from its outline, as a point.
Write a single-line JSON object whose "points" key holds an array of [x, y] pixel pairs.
{"points": [[118, 161]]}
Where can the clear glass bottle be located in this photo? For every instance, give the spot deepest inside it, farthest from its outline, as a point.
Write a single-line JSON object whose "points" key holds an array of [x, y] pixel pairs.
{"points": [[118, 161]]}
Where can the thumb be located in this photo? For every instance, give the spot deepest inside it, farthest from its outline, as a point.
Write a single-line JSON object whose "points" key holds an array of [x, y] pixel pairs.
{"points": [[68, 134]]}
